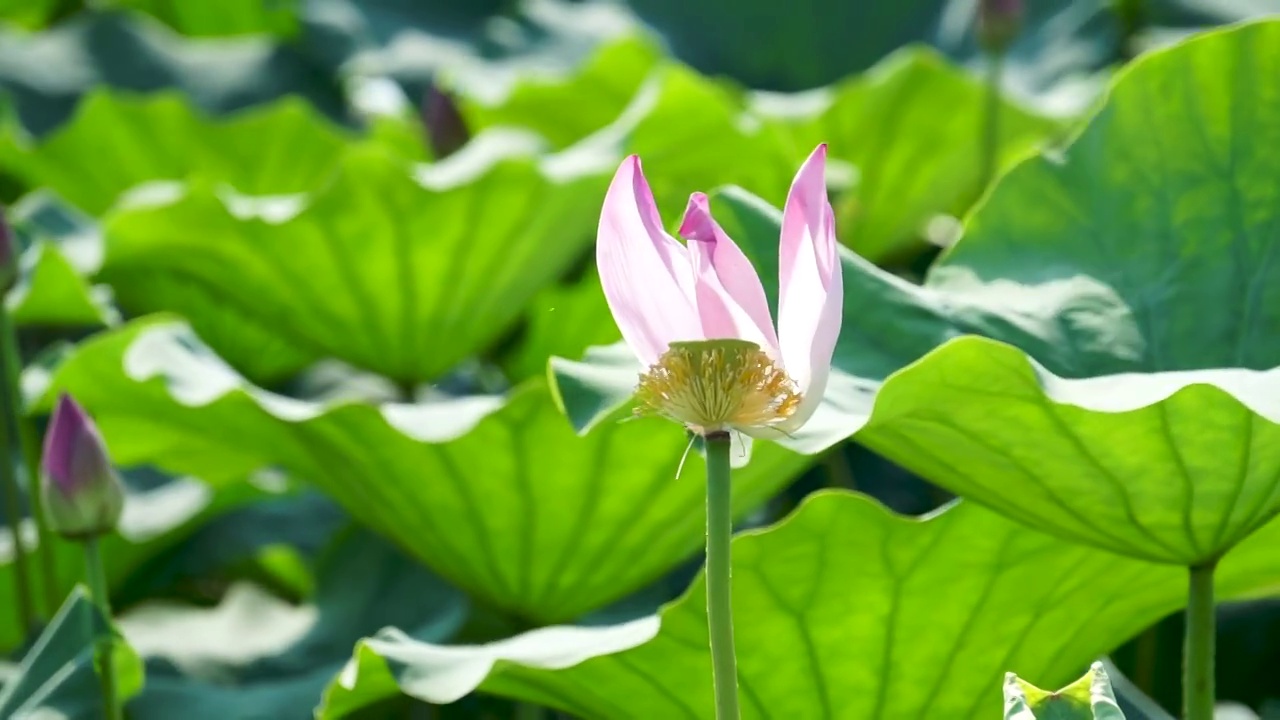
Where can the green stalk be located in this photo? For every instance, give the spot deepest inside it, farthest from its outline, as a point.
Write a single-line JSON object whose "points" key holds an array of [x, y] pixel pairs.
{"points": [[991, 120], [23, 587], [23, 590], [24, 440], [724, 668], [97, 578], [1197, 658]]}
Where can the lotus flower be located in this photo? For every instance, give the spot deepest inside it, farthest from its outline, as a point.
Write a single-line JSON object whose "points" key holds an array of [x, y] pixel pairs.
{"points": [[83, 496], [696, 316]]}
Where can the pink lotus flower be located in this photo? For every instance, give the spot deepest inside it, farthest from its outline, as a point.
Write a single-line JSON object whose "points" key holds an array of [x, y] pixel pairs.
{"points": [[697, 316]]}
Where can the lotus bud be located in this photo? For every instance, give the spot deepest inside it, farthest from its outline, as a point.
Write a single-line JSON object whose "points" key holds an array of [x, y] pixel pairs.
{"points": [[446, 130], [999, 22], [83, 496]]}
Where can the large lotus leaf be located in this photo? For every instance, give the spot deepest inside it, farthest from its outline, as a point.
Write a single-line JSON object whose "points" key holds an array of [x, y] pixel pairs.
{"points": [[47, 73], [118, 140], [28, 14], [498, 495], [61, 249], [228, 17], [837, 615], [404, 274], [57, 678], [255, 655], [253, 347], [1143, 249], [562, 321], [912, 127], [156, 519]]}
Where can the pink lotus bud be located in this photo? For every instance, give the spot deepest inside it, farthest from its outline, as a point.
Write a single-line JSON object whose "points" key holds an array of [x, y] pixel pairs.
{"points": [[446, 130], [82, 494], [998, 23], [8, 257]]}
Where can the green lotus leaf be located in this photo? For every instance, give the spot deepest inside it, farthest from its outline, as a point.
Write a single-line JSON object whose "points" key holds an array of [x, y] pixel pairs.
{"points": [[28, 14], [837, 615], [562, 321], [236, 17], [258, 655], [566, 109], [155, 520], [57, 678], [498, 495], [911, 127], [397, 271], [61, 250], [117, 140], [46, 74]]}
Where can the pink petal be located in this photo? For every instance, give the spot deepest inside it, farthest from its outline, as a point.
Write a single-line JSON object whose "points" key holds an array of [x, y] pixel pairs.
{"points": [[646, 275], [727, 289], [811, 287]]}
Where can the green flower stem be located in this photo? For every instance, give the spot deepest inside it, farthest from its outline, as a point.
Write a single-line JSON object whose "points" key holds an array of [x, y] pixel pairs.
{"points": [[23, 440], [12, 478], [1197, 658], [47, 550], [991, 120], [97, 578], [13, 517], [724, 665]]}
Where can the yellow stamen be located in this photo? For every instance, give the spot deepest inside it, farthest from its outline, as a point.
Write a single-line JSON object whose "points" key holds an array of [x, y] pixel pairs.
{"points": [[714, 385]]}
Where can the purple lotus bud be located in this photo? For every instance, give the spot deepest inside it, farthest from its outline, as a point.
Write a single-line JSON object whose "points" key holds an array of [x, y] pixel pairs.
{"points": [[998, 23], [8, 257], [446, 130], [82, 494]]}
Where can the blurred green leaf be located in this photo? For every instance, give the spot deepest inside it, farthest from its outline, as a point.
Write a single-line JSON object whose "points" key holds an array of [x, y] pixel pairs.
{"points": [[562, 321], [61, 250], [254, 348], [117, 141], [566, 109], [1089, 698], [47, 73], [498, 495], [1159, 289], [402, 274], [912, 127], [28, 14], [223, 18], [838, 615], [155, 519], [57, 675], [272, 541], [258, 656]]}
